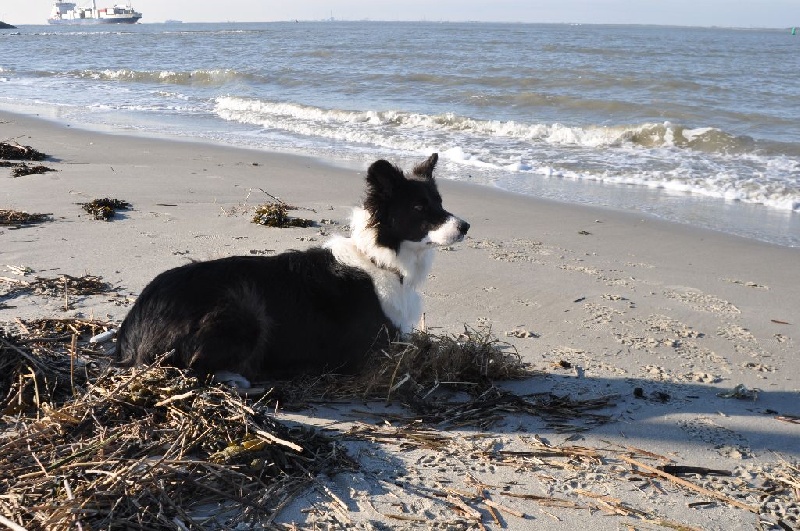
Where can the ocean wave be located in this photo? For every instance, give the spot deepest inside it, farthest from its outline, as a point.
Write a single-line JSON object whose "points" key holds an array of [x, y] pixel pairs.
{"points": [[775, 193], [214, 77], [705, 161], [301, 118]]}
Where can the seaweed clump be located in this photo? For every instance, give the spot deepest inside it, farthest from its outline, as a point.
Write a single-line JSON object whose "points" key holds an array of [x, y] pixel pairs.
{"points": [[276, 214], [9, 151], [17, 218], [18, 152], [104, 209], [22, 169]]}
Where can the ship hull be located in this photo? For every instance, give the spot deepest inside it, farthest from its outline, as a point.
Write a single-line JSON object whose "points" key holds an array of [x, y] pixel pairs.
{"points": [[92, 21]]}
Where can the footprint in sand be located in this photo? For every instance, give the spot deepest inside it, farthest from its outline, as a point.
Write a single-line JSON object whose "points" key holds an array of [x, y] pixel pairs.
{"points": [[727, 442], [702, 302], [746, 284], [516, 250], [736, 333], [599, 314]]}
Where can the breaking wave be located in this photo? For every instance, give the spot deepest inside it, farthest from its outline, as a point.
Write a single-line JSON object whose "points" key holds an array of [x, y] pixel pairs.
{"points": [[219, 77], [356, 125], [705, 161]]}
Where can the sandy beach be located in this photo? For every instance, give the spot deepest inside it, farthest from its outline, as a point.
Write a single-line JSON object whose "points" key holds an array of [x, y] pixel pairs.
{"points": [[663, 319]]}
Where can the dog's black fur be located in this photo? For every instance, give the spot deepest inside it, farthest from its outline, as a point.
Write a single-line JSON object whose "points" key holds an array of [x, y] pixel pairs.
{"points": [[255, 314], [295, 312]]}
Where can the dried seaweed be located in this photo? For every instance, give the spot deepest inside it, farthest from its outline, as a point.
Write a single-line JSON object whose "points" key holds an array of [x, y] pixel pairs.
{"points": [[62, 286], [104, 209], [276, 214], [422, 363], [40, 362], [97, 447], [19, 152], [154, 448], [22, 169], [15, 217], [422, 371]]}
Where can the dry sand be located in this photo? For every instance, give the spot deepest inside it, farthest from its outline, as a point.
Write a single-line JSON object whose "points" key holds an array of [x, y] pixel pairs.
{"points": [[601, 302]]}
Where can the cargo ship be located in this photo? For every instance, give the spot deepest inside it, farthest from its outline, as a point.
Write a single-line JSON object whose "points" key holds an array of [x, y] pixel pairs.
{"points": [[69, 13]]}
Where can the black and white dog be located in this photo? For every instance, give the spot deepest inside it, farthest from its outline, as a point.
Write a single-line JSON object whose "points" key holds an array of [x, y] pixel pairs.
{"points": [[253, 317]]}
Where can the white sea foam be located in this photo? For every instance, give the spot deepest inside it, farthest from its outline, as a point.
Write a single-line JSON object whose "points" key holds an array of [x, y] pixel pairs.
{"points": [[192, 77], [690, 157]]}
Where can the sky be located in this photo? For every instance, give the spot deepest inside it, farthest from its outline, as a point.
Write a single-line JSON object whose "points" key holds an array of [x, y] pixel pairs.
{"points": [[726, 13]]}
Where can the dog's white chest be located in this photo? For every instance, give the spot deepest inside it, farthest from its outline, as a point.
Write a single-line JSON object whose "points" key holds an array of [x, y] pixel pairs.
{"points": [[396, 278], [400, 301]]}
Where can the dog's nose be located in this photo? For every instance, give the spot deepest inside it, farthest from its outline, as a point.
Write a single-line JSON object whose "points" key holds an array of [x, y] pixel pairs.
{"points": [[463, 226]]}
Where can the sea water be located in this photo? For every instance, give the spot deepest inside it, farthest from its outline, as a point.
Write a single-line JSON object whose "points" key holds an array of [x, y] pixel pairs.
{"points": [[694, 125]]}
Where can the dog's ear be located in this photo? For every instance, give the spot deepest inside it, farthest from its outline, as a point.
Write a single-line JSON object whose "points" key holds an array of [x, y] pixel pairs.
{"points": [[425, 169], [382, 176]]}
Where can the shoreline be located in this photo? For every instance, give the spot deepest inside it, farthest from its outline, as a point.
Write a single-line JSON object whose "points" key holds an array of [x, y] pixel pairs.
{"points": [[706, 212], [601, 302]]}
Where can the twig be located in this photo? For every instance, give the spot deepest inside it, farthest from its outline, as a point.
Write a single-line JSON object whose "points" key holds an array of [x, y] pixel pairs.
{"points": [[11, 525], [503, 508], [689, 485], [72, 353], [66, 294]]}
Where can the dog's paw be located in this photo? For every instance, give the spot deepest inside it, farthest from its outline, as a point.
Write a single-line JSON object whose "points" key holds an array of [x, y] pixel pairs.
{"points": [[233, 379]]}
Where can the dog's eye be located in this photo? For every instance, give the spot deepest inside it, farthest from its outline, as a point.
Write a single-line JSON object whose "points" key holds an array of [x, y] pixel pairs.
{"points": [[419, 208]]}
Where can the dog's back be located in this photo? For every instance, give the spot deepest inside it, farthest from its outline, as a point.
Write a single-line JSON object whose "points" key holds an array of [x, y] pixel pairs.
{"points": [[258, 316]]}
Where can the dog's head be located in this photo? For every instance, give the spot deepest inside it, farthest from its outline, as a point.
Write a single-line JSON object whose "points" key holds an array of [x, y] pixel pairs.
{"points": [[409, 209]]}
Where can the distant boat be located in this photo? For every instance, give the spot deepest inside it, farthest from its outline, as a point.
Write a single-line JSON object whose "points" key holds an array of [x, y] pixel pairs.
{"points": [[68, 13]]}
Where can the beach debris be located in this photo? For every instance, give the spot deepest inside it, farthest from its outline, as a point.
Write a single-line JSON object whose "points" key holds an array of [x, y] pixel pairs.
{"points": [[154, 448], [691, 486], [15, 151], [63, 286], [104, 209], [17, 218], [741, 392], [678, 470], [276, 214], [21, 169], [521, 333], [103, 336], [415, 369], [656, 396], [99, 446], [20, 270], [56, 286]]}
